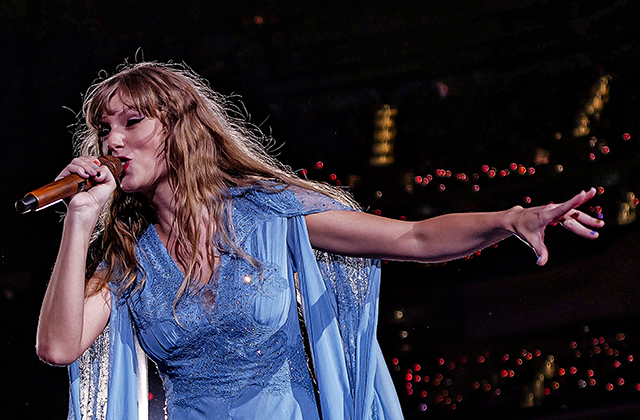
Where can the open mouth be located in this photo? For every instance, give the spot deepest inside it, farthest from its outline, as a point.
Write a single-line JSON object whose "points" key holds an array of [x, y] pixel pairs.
{"points": [[125, 163]]}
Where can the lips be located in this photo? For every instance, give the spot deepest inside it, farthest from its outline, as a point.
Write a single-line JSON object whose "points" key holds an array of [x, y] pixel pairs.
{"points": [[125, 163]]}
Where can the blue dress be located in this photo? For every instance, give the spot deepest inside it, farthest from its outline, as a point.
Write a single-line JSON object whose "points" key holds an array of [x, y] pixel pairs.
{"points": [[234, 349]]}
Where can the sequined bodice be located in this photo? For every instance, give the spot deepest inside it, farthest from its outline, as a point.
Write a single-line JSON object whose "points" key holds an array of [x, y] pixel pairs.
{"points": [[233, 342]]}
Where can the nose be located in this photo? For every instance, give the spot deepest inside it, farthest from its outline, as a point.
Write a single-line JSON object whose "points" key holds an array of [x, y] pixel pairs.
{"points": [[112, 142]]}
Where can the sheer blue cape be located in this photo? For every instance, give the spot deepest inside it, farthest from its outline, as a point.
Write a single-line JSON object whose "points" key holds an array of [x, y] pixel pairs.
{"points": [[340, 305]]}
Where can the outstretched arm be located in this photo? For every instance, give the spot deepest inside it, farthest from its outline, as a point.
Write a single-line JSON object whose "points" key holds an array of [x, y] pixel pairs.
{"points": [[446, 237]]}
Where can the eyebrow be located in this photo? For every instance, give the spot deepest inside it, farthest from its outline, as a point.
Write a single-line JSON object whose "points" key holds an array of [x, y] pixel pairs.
{"points": [[125, 111]]}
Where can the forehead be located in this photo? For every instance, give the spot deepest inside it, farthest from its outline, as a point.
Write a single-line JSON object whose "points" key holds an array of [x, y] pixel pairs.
{"points": [[117, 106]]}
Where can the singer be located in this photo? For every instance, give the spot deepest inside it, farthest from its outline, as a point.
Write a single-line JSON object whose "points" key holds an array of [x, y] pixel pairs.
{"points": [[198, 252]]}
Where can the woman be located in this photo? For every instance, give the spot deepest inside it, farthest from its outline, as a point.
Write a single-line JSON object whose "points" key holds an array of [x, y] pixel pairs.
{"points": [[201, 249]]}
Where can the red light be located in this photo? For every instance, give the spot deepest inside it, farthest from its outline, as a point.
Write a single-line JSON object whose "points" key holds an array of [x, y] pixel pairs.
{"points": [[561, 371], [418, 179], [150, 396], [442, 187], [481, 359], [573, 370], [303, 172], [395, 361], [527, 200], [333, 177], [319, 165], [606, 150], [476, 188], [504, 373], [592, 156], [485, 168], [441, 361], [600, 190], [532, 171], [513, 166], [408, 377], [547, 391], [417, 367], [609, 387], [620, 381], [423, 394], [626, 136]]}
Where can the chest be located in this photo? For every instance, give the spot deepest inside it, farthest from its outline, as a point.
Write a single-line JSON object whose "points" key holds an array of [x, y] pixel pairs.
{"points": [[236, 313]]}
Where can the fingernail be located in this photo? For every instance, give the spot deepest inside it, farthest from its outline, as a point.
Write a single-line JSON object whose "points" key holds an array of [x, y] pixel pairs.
{"points": [[593, 233], [97, 162]]}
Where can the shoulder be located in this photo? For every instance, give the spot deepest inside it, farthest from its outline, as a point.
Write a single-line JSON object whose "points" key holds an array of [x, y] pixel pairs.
{"points": [[277, 199]]}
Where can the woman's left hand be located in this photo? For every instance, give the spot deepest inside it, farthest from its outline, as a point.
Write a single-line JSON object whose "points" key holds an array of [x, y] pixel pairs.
{"points": [[529, 224]]}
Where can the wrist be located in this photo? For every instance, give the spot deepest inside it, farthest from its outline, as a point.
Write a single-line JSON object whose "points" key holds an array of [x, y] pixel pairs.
{"points": [[510, 218]]}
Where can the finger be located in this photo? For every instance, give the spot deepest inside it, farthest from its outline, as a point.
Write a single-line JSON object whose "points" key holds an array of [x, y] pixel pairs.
{"points": [[584, 219], [536, 243], [558, 212], [85, 166], [574, 226]]}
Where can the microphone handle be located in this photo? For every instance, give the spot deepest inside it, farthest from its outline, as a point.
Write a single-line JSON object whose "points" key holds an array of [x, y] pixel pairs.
{"points": [[65, 187]]}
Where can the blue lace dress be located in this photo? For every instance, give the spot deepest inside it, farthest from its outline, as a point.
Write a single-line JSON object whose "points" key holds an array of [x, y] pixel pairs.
{"points": [[236, 350]]}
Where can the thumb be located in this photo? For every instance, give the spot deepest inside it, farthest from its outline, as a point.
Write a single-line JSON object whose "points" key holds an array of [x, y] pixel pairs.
{"points": [[542, 253]]}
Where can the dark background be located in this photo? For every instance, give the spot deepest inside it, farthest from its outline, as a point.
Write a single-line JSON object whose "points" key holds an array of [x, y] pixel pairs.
{"points": [[474, 82]]}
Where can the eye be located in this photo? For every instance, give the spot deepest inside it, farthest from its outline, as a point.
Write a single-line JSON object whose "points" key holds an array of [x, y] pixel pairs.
{"points": [[103, 130], [133, 121]]}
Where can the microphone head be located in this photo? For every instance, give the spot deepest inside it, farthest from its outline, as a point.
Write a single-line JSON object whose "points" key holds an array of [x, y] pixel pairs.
{"points": [[113, 164]]}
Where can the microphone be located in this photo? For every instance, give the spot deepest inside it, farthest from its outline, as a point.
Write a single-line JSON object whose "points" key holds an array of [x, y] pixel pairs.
{"points": [[65, 187]]}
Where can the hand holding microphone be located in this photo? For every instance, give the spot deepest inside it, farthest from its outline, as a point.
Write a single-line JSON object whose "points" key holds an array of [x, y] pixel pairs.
{"points": [[65, 187]]}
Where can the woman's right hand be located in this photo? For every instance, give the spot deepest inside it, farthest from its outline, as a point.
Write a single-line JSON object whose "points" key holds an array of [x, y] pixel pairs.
{"points": [[93, 199]]}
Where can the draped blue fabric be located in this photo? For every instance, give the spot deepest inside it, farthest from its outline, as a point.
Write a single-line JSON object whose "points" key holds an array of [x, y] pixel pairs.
{"points": [[234, 349], [104, 381]]}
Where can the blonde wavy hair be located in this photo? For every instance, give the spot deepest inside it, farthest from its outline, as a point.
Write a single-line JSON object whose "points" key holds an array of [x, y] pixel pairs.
{"points": [[210, 147]]}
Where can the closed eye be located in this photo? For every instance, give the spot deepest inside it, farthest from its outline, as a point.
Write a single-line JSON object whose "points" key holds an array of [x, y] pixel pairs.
{"points": [[133, 121], [104, 131]]}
